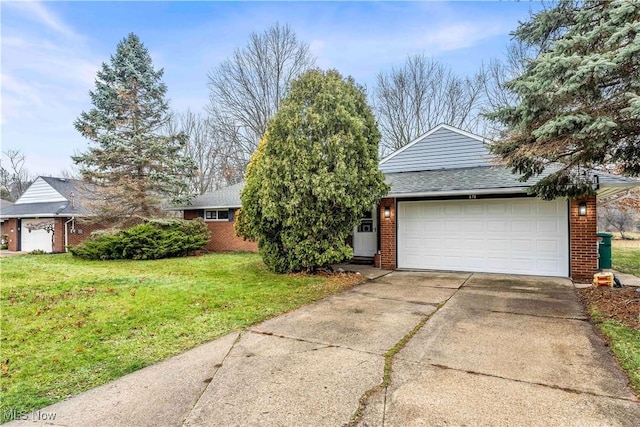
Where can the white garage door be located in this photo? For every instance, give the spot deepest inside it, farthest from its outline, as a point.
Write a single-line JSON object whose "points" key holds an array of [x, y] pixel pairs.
{"points": [[36, 234], [516, 236]]}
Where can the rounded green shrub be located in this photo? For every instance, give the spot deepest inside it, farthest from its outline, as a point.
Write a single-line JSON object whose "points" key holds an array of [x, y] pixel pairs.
{"points": [[153, 239]]}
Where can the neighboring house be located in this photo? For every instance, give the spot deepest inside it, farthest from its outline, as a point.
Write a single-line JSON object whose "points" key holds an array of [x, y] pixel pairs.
{"points": [[46, 217], [451, 207], [218, 209]]}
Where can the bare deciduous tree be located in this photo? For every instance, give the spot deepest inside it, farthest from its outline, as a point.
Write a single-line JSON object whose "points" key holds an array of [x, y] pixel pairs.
{"points": [[613, 216], [246, 89], [14, 176], [496, 74], [422, 93], [208, 145]]}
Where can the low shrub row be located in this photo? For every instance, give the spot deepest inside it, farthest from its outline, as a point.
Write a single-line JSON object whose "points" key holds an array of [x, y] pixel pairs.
{"points": [[153, 239]]}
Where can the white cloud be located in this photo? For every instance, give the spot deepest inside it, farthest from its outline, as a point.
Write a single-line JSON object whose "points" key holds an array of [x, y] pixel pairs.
{"points": [[457, 36], [47, 72], [37, 12]]}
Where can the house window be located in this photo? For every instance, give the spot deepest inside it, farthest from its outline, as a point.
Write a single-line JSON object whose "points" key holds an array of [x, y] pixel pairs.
{"points": [[217, 215]]}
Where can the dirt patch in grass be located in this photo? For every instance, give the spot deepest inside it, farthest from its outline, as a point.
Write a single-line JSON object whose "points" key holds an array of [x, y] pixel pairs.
{"points": [[621, 304], [616, 314]]}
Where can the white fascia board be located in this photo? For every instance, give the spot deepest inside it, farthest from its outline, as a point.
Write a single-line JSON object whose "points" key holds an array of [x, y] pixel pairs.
{"points": [[424, 135], [488, 191]]}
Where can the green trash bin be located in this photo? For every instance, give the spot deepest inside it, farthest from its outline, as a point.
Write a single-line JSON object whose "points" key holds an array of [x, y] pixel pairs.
{"points": [[604, 250]]}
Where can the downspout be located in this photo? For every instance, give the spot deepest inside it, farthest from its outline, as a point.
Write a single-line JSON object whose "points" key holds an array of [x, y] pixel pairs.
{"points": [[66, 234]]}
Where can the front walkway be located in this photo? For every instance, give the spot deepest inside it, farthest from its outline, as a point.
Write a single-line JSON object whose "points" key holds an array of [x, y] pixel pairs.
{"points": [[474, 349]]}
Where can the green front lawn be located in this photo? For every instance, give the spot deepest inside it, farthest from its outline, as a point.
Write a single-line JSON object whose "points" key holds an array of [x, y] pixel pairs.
{"points": [[625, 344], [626, 260], [68, 325]]}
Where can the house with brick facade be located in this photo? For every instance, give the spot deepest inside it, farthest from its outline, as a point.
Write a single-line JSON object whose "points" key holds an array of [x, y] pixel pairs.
{"points": [[218, 209], [452, 207], [48, 216]]}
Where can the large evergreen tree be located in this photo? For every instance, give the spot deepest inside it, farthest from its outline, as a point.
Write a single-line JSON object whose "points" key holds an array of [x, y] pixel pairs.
{"points": [[313, 176], [579, 98], [134, 165]]}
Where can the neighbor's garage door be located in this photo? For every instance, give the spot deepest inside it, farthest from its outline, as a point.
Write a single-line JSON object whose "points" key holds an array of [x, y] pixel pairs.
{"points": [[516, 236], [36, 234]]}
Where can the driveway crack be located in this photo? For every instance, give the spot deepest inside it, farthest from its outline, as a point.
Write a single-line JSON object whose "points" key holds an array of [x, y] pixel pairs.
{"points": [[551, 386], [389, 357], [308, 341], [209, 381]]}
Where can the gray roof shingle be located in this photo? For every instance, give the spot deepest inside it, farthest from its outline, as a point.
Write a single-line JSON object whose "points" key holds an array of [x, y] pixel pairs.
{"points": [[72, 189], [442, 182], [227, 197], [479, 180]]}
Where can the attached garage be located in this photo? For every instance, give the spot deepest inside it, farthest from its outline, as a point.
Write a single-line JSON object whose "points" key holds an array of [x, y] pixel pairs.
{"points": [[509, 235], [453, 206]]}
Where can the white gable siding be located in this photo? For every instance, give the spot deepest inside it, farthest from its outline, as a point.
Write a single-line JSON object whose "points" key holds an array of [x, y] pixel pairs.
{"points": [[442, 149], [40, 192]]}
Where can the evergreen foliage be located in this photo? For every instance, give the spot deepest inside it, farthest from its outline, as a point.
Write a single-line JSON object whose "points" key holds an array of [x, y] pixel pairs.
{"points": [[579, 98], [314, 174], [134, 166], [153, 239]]}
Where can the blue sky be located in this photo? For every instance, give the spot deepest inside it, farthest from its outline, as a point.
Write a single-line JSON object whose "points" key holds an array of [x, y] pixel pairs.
{"points": [[51, 51]]}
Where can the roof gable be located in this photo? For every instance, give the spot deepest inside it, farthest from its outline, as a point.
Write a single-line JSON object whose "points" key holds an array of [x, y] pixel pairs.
{"points": [[40, 192], [226, 197], [443, 147]]}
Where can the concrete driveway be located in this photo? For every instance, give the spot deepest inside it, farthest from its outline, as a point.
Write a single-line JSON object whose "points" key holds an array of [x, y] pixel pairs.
{"points": [[474, 349]]}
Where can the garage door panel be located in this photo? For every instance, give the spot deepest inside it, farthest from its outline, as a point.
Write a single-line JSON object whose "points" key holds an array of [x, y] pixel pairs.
{"points": [[547, 226], [413, 244], [495, 235], [414, 226], [473, 209], [497, 226], [518, 226], [496, 208], [547, 266], [475, 244], [473, 226], [547, 246], [432, 226], [550, 209], [521, 208], [520, 245], [452, 209], [452, 226]]}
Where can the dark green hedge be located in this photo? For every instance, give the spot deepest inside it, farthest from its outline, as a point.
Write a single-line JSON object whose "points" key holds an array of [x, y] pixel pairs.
{"points": [[154, 239]]}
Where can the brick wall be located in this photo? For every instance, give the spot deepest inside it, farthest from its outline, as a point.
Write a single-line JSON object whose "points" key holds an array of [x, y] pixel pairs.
{"points": [[387, 234], [583, 241], [58, 234], [10, 228], [82, 231], [223, 235]]}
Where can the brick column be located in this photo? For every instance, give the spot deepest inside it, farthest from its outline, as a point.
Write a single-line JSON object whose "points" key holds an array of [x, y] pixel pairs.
{"points": [[58, 234], [10, 228], [583, 240], [388, 234]]}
